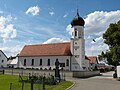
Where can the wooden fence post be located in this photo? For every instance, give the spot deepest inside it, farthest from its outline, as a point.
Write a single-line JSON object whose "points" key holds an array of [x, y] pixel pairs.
{"points": [[10, 86]]}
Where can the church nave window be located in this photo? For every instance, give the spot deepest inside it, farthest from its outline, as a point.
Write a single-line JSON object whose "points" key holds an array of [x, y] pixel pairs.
{"points": [[24, 62], [32, 62], [48, 63], [40, 62]]}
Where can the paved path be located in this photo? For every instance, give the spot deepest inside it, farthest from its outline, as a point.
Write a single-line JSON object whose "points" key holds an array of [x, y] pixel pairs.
{"points": [[104, 82]]}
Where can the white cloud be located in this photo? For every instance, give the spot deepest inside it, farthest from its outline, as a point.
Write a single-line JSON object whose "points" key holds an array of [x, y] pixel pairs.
{"points": [[98, 40], [55, 40], [51, 13], [7, 30], [96, 24], [69, 29], [65, 15], [33, 10], [99, 21], [11, 51]]}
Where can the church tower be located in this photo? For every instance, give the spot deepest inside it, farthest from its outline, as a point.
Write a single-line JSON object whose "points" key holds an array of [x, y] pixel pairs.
{"points": [[77, 44]]}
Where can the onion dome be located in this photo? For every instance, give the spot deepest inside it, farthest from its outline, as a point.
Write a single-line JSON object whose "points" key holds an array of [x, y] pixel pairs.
{"points": [[77, 20]]}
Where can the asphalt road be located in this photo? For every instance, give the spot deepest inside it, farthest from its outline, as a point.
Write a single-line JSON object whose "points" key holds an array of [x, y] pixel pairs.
{"points": [[104, 82]]}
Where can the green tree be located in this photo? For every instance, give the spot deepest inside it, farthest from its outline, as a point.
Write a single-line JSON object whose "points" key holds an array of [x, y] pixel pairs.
{"points": [[112, 38], [101, 56]]}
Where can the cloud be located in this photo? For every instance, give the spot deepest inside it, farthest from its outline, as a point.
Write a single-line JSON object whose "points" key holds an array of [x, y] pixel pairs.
{"points": [[7, 30], [65, 15], [11, 51], [33, 10], [51, 13], [96, 23], [55, 40], [99, 21], [69, 29]]}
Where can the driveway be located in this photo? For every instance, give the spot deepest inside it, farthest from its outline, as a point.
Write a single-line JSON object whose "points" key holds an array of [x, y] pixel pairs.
{"points": [[104, 82]]}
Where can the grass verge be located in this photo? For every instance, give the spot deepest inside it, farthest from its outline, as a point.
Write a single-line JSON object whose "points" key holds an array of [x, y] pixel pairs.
{"points": [[5, 81]]}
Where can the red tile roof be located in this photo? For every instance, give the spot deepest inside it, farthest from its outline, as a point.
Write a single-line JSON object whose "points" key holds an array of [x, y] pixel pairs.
{"points": [[93, 59], [56, 49]]}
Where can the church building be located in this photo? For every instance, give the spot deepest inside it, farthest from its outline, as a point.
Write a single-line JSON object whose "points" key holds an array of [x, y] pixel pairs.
{"points": [[71, 55]]}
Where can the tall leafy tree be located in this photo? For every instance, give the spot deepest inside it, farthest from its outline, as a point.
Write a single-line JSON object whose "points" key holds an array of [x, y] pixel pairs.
{"points": [[101, 56], [112, 38]]}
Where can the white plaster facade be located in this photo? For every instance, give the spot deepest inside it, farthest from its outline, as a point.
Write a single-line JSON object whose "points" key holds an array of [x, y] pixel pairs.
{"points": [[61, 59], [78, 62], [3, 59]]}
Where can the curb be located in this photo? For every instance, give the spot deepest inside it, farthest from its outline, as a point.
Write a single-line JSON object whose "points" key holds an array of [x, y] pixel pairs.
{"points": [[71, 86]]}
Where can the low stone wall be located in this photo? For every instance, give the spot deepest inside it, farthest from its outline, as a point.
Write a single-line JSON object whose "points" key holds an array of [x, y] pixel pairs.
{"points": [[85, 74], [26, 72]]}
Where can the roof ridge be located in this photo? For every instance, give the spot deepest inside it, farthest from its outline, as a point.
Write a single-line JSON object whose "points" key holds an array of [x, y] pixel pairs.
{"points": [[48, 44]]}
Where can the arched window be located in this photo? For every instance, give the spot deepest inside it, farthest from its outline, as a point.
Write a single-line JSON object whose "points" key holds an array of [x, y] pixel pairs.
{"points": [[32, 62], [24, 62], [67, 62], [40, 61], [48, 62]]}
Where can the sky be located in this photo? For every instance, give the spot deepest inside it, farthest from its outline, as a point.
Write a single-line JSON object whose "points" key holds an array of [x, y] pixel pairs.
{"points": [[24, 22]]}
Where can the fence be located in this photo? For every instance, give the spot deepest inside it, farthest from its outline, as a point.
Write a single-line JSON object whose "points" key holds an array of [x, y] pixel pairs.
{"points": [[25, 86], [34, 82], [2, 71]]}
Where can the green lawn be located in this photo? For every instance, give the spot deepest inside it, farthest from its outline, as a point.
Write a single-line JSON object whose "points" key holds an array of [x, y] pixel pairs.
{"points": [[5, 81]]}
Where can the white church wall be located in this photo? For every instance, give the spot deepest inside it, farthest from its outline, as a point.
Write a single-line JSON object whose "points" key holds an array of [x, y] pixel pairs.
{"points": [[77, 49], [76, 63], [3, 59], [61, 59], [86, 64]]}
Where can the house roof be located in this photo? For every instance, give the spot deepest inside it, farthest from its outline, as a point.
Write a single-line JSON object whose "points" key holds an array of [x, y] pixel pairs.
{"points": [[56, 49], [13, 61], [3, 53], [93, 59]]}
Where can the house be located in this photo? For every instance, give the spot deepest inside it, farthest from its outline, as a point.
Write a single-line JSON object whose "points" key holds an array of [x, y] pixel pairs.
{"points": [[12, 62], [71, 55], [3, 59], [93, 61]]}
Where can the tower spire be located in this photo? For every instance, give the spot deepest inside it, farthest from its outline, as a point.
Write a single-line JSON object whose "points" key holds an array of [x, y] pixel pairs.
{"points": [[77, 12], [77, 20]]}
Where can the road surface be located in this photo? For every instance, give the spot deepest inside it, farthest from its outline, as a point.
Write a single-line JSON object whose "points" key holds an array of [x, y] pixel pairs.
{"points": [[104, 82]]}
